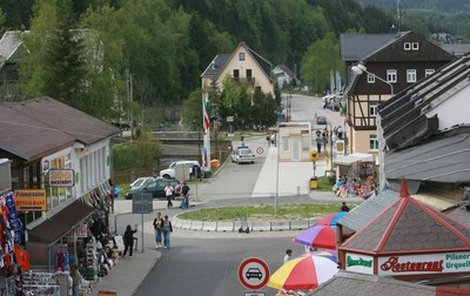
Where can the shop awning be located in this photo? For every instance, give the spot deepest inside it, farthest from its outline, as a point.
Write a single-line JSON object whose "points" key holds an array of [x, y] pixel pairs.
{"points": [[54, 228], [350, 159]]}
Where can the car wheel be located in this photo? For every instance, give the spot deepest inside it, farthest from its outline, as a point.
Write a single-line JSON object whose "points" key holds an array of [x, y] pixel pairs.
{"points": [[166, 176]]}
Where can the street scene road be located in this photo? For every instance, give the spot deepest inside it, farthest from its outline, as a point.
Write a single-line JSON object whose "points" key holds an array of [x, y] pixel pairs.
{"points": [[202, 263]]}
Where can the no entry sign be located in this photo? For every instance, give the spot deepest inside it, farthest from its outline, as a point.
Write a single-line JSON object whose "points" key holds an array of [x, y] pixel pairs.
{"points": [[253, 273]]}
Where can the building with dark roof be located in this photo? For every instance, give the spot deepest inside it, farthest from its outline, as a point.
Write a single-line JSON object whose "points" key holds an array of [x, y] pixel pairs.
{"points": [[244, 65], [409, 241], [391, 64], [46, 139]]}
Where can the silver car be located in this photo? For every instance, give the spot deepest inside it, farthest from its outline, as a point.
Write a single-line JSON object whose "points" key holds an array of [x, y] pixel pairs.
{"points": [[243, 155]]}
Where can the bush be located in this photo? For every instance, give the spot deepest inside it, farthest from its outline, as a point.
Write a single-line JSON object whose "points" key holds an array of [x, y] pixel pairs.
{"points": [[141, 153]]}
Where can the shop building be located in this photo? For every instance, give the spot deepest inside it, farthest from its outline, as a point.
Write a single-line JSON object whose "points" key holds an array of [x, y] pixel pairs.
{"points": [[66, 154], [410, 241]]}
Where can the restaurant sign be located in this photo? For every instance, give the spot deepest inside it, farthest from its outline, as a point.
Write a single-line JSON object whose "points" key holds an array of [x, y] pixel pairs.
{"points": [[30, 200], [424, 264], [61, 177], [360, 263]]}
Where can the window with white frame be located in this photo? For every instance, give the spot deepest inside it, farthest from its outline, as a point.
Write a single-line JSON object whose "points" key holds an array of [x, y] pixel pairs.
{"points": [[241, 56], [411, 75], [392, 75], [428, 72], [370, 78], [415, 46], [285, 143], [407, 46], [373, 108], [373, 142]]}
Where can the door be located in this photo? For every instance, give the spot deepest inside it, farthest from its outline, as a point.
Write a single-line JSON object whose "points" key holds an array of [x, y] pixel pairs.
{"points": [[295, 152]]}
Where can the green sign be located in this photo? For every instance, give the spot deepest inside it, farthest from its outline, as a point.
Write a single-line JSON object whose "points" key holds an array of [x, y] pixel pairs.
{"points": [[358, 262]]}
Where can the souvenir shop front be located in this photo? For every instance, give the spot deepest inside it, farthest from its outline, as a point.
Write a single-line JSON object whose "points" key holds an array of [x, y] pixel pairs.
{"points": [[355, 174], [78, 234]]}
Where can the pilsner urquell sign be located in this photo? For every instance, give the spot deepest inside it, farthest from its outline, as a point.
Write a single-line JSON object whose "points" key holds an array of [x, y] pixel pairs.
{"points": [[425, 264], [61, 177]]}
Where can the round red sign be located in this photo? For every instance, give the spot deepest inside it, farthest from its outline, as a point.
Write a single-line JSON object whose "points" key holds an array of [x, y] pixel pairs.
{"points": [[253, 273]]}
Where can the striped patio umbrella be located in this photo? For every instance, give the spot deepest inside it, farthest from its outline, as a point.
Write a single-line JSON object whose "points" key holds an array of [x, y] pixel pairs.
{"points": [[318, 236], [331, 219], [303, 273]]}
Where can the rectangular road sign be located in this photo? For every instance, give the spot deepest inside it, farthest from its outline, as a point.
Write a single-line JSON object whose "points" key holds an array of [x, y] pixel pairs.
{"points": [[142, 203], [254, 293]]}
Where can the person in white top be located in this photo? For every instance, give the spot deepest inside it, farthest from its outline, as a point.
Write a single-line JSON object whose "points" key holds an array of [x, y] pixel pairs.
{"points": [[169, 195], [288, 255]]}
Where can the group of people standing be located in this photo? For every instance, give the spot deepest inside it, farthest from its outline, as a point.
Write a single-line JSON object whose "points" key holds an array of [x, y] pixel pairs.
{"points": [[182, 189], [163, 228]]}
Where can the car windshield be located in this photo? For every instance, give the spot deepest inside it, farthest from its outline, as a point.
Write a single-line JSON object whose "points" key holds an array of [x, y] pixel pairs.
{"points": [[245, 151]]}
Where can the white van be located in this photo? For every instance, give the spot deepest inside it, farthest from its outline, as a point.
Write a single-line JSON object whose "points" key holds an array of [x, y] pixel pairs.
{"points": [[188, 165]]}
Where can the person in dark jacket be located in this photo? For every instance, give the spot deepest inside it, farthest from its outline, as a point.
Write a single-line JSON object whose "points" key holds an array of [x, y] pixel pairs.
{"points": [[167, 229], [185, 194], [129, 240]]}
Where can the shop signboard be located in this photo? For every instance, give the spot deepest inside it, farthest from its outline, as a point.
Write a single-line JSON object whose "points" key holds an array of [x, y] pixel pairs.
{"points": [[81, 230], [30, 200], [424, 264], [61, 177], [359, 263]]}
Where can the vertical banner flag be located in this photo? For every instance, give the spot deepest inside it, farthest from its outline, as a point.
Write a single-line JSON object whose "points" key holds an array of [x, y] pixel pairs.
{"points": [[205, 113]]}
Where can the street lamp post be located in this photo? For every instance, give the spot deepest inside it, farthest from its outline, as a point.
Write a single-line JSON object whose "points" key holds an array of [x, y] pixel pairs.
{"points": [[360, 68]]}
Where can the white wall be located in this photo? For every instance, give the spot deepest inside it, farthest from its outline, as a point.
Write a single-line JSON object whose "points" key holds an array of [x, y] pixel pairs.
{"points": [[454, 110]]}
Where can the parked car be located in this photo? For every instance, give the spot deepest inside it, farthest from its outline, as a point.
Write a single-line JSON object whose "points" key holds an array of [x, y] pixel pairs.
{"points": [[139, 182], [192, 169], [153, 185], [321, 119], [242, 155]]}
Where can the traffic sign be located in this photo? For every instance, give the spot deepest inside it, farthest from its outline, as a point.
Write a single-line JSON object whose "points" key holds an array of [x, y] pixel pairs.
{"points": [[314, 156], [142, 203], [253, 273], [259, 150], [254, 293]]}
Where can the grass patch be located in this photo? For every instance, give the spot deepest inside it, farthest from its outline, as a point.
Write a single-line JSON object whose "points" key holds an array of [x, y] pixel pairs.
{"points": [[297, 211], [325, 183]]}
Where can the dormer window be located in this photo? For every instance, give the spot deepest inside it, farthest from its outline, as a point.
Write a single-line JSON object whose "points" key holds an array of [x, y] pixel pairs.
{"points": [[415, 46], [241, 56], [407, 46], [370, 78]]}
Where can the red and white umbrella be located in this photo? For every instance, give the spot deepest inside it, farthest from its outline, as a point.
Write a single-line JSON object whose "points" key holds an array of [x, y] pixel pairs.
{"points": [[303, 273]]}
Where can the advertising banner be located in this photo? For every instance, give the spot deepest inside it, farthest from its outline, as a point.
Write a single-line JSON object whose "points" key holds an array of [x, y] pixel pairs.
{"points": [[61, 177], [30, 200]]}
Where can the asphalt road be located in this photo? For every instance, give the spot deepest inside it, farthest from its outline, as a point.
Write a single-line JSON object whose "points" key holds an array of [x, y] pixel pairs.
{"points": [[237, 180], [205, 264], [208, 267]]}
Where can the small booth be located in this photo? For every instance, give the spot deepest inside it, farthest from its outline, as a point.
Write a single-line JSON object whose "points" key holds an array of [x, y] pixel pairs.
{"points": [[355, 174], [410, 241]]}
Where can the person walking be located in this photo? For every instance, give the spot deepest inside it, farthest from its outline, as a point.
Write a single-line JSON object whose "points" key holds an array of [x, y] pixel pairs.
{"points": [[76, 280], [169, 191], [167, 229], [288, 256], [158, 226], [319, 141], [185, 196], [129, 240]]}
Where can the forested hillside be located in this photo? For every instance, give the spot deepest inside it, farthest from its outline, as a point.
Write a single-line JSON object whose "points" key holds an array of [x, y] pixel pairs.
{"points": [[166, 44], [431, 16]]}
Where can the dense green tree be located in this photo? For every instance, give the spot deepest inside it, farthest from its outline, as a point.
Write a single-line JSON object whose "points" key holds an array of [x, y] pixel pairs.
{"points": [[322, 57], [34, 69]]}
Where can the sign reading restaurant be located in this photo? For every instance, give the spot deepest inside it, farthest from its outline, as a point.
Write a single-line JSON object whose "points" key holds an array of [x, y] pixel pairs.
{"points": [[360, 263], [61, 177], [424, 264]]}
